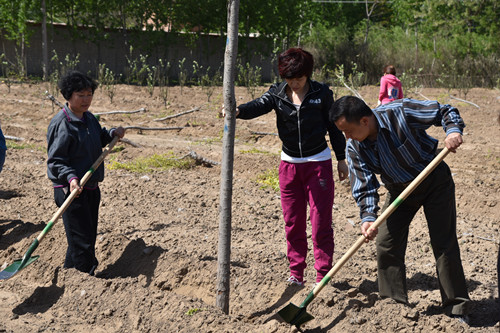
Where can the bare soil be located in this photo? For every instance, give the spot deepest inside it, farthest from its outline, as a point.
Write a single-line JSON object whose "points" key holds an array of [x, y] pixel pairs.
{"points": [[158, 231]]}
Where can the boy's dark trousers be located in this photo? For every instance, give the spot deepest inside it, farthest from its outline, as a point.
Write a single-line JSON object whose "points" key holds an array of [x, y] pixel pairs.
{"points": [[437, 195], [80, 223]]}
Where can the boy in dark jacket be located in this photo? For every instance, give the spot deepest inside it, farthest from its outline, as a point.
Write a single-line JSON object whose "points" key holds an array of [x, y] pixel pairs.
{"points": [[75, 140]]}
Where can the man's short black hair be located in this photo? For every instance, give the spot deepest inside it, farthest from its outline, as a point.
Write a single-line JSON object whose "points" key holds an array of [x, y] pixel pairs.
{"points": [[75, 81], [350, 107]]}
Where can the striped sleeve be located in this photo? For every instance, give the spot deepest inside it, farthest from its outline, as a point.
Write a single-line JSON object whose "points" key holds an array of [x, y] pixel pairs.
{"points": [[423, 114], [364, 185]]}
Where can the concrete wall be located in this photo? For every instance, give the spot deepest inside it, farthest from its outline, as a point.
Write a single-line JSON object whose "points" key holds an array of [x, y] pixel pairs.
{"points": [[207, 50]]}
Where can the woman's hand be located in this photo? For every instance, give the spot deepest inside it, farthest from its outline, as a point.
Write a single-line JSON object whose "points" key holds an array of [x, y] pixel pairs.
{"points": [[223, 112], [342, 169]]}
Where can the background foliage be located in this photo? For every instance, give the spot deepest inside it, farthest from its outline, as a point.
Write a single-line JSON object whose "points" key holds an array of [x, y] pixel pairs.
{"points": [[439, 42]]}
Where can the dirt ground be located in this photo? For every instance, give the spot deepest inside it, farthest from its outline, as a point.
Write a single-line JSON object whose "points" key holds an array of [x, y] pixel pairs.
{"points": [[158, 230]]}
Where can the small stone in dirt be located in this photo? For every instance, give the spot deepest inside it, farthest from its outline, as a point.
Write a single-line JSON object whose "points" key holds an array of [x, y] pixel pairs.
{"points": [[352, 292], [331, 302], [146, 178], [107, 312], [148, 250], [411, 314], [182, 271], [271, 326], [357, 321]]}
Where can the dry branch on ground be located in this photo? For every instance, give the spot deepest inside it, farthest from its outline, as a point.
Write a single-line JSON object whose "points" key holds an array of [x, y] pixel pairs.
{"points": [[177, 115], [119, 112], [463, 100], [153, 128], [14, 138]]}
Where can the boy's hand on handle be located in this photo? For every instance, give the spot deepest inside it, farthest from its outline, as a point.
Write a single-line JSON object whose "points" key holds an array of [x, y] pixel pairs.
{"points": [[75, 185], [453, 141], [369, 235], [119, 132]]}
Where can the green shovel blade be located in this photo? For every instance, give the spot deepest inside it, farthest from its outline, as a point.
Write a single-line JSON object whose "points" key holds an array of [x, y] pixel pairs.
{"points": [[295, 315], [13, 269]]}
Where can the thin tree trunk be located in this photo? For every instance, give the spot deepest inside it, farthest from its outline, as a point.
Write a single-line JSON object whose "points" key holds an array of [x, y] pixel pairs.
{"points": [[416, 45], [124, 25], [369, 13], [45, 49], [226, 187]]}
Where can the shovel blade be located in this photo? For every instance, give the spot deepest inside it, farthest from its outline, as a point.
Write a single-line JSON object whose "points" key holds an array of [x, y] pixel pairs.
{"points": [[13, 269], [295, 315]]}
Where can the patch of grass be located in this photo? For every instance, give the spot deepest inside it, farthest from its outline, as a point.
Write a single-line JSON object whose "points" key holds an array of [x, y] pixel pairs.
{"points": [[208, 141], [152, 163], [269, 179], [254, 151], [117, 149], [192, 311], [443, 97], [212, 140], [196, 123], [15, 145]]}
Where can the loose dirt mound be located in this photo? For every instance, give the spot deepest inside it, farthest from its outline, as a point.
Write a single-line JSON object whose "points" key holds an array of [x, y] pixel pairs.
{"points": [[158, 231]]}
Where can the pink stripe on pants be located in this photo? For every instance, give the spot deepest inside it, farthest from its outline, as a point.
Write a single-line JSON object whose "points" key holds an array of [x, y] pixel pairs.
{"points": [[300, 184]]}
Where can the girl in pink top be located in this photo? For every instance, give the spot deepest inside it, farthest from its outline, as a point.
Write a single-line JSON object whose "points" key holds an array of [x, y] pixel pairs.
{"points": [[390, 86]]}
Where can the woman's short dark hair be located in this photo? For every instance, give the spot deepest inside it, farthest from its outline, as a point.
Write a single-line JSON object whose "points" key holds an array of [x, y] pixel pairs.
{"points": [[294, 63], [75, 81], [351, 108], [390, 69]]}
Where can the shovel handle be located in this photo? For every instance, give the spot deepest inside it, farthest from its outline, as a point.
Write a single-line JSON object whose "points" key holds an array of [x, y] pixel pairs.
{"points": [[385, 214], [74, 193]]}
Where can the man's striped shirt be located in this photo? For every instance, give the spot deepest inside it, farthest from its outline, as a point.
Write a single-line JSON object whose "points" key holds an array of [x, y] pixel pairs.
{"points": [[401, 151]]}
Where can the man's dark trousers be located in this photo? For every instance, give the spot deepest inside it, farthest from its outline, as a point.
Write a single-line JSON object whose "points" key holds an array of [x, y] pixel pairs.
{"points": [[437, 196], [80, 222]]}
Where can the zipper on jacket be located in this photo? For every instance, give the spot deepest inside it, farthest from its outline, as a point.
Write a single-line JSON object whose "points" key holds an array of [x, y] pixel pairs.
{"points": [[298, 127], [298, 119], [311, 91]]}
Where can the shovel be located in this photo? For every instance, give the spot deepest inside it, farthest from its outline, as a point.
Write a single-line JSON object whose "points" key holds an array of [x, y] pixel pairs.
{"points": [[297, 315], [27, 259]]}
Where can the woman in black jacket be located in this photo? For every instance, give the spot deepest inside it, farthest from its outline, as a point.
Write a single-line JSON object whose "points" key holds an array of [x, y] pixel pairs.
{"points": [[305, 172]]}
